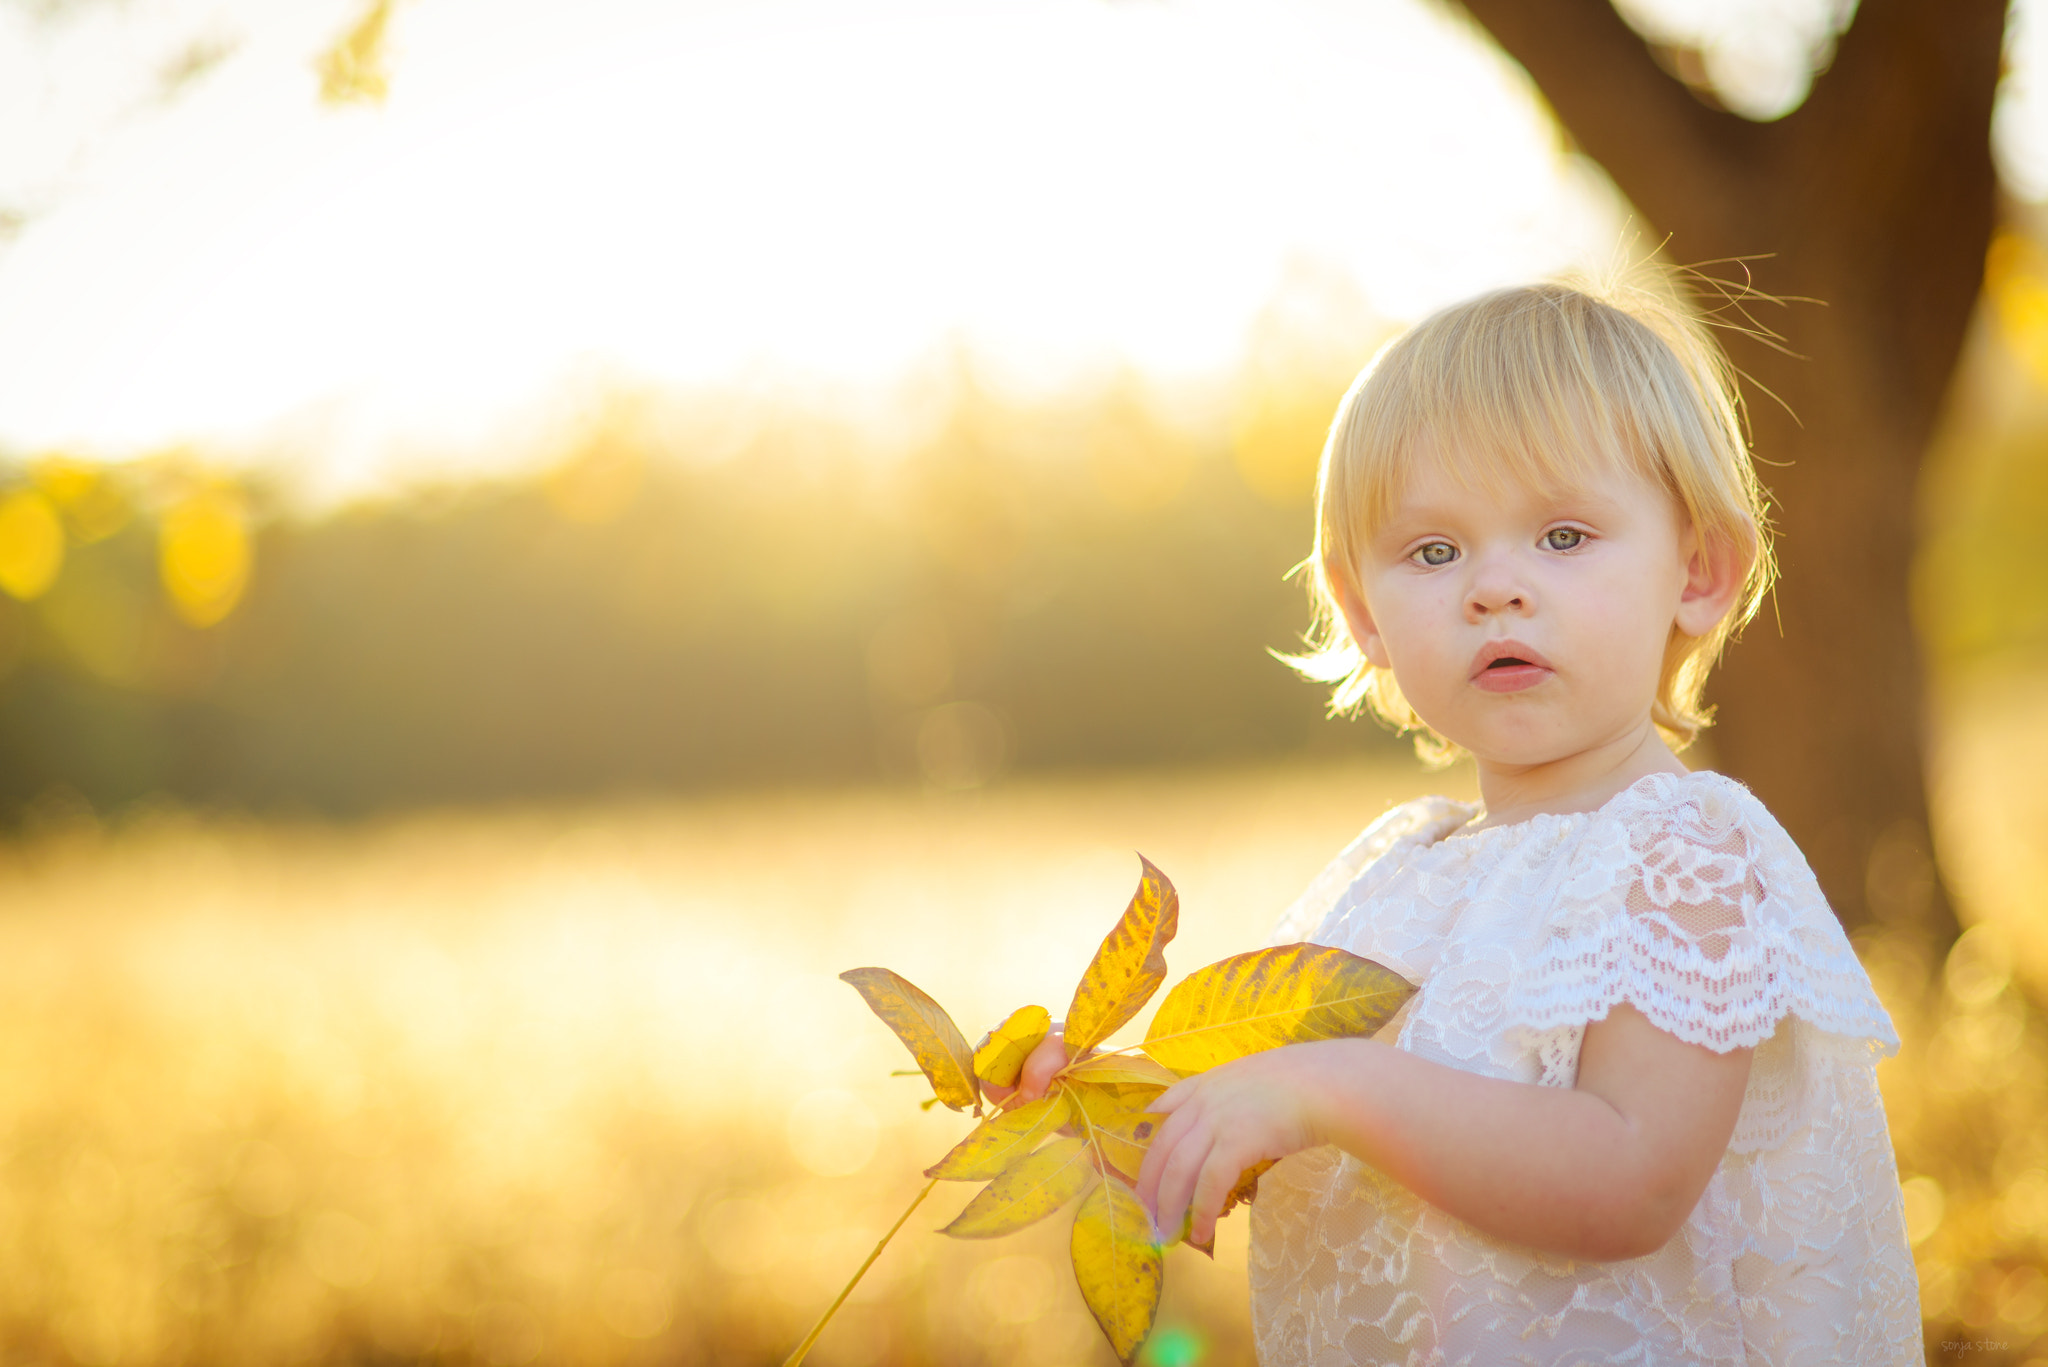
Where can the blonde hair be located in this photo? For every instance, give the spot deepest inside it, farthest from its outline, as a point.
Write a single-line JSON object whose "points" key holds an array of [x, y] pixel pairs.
{"points": [[1542, 385]]}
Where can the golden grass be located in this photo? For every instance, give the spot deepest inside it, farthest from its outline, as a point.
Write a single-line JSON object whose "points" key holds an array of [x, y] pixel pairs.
{"points": [[529, 1086], [536, 1087]]}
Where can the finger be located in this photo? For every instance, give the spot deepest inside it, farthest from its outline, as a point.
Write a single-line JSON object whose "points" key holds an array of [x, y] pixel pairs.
{"points": [[1212, 1187], [1177, 1183], [1174, 1097], [1164, 1139], [1044, 1061]]}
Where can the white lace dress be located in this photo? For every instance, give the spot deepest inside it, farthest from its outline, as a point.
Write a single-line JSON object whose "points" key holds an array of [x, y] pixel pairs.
{"points": [[1683, 897]]}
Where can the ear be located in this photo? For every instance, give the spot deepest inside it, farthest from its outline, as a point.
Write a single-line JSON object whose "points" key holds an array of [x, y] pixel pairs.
{"points": [[1714, 574], [1358, 620]]}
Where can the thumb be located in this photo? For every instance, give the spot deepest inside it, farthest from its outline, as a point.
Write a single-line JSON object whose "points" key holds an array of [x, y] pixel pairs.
{"points": [[1045, 1060]]}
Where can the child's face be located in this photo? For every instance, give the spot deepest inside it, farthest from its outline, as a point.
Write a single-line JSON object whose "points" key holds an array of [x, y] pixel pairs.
{"points": [[1530, 626]]}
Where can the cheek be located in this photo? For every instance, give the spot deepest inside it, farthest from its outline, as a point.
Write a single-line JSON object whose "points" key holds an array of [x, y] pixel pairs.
{"points": [[1414, 643], [1637, 627], [1403, 623]]}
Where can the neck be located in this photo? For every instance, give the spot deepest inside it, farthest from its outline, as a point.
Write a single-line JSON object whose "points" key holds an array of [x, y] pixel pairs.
{"points": [[1578, 783]]}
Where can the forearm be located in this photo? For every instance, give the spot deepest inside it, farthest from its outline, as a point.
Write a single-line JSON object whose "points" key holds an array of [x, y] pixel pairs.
{"points": [[1550, 1167], [1606, 1169]]}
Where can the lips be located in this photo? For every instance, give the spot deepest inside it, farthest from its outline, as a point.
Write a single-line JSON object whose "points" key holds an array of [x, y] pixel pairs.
{"points": [[1508, 667]]}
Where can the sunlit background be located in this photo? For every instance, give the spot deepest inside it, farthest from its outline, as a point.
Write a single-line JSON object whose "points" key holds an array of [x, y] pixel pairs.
{"points": [[532, 536]]}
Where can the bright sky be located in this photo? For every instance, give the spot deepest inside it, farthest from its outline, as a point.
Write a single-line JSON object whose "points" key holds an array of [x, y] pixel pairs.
{"points": [[709, 191]]}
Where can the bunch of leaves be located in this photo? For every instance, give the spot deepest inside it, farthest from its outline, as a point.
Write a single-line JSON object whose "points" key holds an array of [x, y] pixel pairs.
{"points": [[1086, 1138]]}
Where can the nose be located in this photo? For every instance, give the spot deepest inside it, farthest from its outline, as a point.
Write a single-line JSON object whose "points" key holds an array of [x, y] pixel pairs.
{"points": [[1496, 587]]}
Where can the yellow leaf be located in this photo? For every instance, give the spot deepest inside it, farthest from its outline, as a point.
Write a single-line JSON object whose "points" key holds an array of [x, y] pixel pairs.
{"points": [[1129, 966], [1000, 1055], [1122, 1070], [1286, 995], [1247, 1189], [1002, 1140], [926, 1031], [1118, 1265], [1027, 1191], [1119, 1128], [353, 69]]}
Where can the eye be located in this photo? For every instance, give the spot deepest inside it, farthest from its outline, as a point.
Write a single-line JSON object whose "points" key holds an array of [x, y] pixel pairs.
{"points": [[1435, 553], [1563, 538]]}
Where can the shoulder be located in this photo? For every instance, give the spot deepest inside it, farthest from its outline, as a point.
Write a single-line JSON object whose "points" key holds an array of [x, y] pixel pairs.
{"points": [[1699, 804], [1702, 836], [1688, 899], [1423, 821]]}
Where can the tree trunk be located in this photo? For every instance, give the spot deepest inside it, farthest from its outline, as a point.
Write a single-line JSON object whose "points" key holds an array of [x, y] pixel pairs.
{"points": [[1875, 198]]}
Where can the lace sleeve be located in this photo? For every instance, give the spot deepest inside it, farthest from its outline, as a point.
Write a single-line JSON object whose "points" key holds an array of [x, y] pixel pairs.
{"points": [[1427, 819], [1702, 914]]}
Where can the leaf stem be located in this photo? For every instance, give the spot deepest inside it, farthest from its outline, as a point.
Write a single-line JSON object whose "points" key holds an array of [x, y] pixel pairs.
{"points": [[1088, 1124], [805, 1347]]}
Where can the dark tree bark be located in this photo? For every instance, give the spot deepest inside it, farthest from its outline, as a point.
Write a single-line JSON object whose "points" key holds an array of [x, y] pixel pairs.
{"points": [[1875, 197]]}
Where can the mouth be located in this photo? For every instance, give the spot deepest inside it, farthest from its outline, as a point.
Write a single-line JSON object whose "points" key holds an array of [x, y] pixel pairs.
{"points": [[1508, 667]]}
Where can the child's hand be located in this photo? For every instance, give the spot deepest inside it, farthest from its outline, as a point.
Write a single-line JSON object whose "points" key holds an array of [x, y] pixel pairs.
{"points": [[1046, 1059], [1219, 1123]]}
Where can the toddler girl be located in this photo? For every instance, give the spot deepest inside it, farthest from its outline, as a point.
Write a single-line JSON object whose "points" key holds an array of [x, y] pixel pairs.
{"points": [[1631, 1115]]}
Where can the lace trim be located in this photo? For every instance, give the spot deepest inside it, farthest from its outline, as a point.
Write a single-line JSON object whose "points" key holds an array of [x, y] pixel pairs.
{"points": [[1712, 928]]}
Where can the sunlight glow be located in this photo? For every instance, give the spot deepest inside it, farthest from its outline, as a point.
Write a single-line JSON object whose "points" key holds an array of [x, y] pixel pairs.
{"points": [[695, 193]]}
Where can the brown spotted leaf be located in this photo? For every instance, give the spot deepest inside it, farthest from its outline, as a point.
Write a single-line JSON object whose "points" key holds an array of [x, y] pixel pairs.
{"points": [[1002, 1140], [1121, 1070], [1027, 1191], [1290, 994], [1129, 966], [1119, 1267], [926, 1031], [1119, 1128], [1000, 1055]]}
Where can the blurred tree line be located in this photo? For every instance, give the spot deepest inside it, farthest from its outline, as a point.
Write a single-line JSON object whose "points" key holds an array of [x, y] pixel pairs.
{"points": [[1045, 585], [1090, 580]]}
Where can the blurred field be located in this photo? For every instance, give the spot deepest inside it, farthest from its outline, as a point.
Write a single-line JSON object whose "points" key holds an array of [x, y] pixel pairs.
{"points": [[535, 1086], [545, 1087]]}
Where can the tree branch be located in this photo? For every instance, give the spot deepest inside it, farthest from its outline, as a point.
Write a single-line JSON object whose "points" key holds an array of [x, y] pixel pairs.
{"points": [[1656, 139]]}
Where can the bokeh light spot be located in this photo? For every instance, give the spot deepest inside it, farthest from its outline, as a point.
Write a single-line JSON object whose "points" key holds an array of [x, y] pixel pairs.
{"points": [[2023, 1297], [31, 544], [2016, 279], [204, 554], [1979, 966], [1175, 1346], [1925, 1205], [91, 501], [635, 1304]]}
